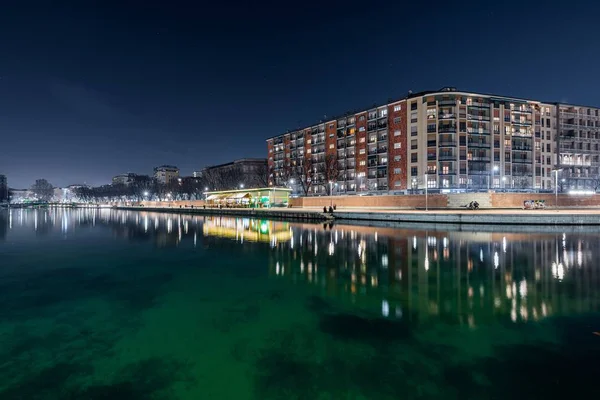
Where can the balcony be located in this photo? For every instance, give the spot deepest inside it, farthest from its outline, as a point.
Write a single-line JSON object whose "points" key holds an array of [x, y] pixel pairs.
{"points": [[447, 102], [523, 134], [522, 148], [382, 150], [521, 123], [447, 172], [482, 145], [446, 129], [480, 159], [477, 131], [527, 110], [447, 157], [447, 144], [447, 116], [522, 173], [522, 160]]}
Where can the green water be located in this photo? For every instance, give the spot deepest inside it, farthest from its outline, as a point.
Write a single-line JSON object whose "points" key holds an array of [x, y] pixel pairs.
{"points": [[125, 305]]}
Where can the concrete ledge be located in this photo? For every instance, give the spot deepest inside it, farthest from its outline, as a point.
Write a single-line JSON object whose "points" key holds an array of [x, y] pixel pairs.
{"points": [[481, 218], [268, 213]]}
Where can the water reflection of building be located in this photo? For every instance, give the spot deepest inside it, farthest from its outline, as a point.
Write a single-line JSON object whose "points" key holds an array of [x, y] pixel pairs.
{"points": [[247, 229], [3, 224], [458, 277]]}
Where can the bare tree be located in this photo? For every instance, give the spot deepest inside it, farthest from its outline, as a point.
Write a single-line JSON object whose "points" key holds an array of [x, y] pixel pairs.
{"points": [[260, 176], [43, 190], [329, 171], [304, 175]]}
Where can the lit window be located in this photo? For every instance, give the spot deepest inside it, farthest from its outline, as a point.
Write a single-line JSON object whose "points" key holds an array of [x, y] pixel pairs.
{"points": [[397, 107], [331, 146], [397, 183], [361, 140], [362, 151], [383, 113], [308, 151], [362, 162], [361, 129], [397, 170], [397, 133], [397, 145]]}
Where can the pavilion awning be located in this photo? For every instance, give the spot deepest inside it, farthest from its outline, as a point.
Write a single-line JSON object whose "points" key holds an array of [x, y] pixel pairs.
{"points": [[240, 195]]}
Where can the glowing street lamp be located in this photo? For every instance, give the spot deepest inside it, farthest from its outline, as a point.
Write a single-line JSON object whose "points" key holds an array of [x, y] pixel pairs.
{"points": [[241, 185]]}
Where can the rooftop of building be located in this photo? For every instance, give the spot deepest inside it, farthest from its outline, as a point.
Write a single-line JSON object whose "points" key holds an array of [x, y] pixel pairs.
{"points": [[166, 167], [411, 95], [238, 161]]}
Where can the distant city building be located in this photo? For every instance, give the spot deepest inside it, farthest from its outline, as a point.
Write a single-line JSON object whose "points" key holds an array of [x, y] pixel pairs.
{"points": [[124, 179], [246, 172], [442, 140], [3, 188], [166, 173]]}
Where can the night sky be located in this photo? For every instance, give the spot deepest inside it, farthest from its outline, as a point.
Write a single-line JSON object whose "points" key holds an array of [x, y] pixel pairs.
{"points": [[92, 89]]}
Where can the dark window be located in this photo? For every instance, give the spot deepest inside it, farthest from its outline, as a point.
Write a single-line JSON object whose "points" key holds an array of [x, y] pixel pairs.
{"points": [[413, 157], [548, 160], [413, 105], [463, 126], [462, 141], [414, 171], [548, 147], [548, 122]]}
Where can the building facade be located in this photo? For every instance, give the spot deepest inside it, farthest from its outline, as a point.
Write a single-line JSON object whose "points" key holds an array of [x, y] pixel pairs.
{"points": [[442, 140], [245, 172], [124, 179], [166, 174], [578, 146]]}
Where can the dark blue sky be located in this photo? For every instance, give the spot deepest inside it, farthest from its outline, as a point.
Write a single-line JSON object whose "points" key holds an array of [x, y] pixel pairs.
{"points": [[92, 89]]}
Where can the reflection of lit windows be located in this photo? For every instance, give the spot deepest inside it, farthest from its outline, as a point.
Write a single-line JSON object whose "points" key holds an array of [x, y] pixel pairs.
{"points": [[385, 308]]}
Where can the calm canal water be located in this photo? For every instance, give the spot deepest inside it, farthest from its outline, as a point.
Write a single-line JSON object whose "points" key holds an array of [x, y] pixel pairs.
{"points": [[104, 304]]}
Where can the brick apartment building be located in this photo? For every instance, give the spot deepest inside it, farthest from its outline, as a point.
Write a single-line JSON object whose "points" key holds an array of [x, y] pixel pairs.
{"points": [[444, 139]]}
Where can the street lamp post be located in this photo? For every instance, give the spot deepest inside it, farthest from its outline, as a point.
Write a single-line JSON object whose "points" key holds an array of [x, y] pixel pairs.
{"points": [[426, 200]]}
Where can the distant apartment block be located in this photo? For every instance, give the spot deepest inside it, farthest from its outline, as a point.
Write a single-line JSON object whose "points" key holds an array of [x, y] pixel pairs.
{"points": [[442, 140], [166, 173], [246, 172], [124, 179]]}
